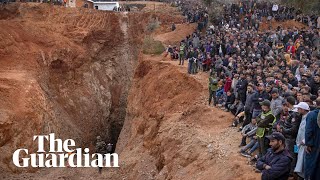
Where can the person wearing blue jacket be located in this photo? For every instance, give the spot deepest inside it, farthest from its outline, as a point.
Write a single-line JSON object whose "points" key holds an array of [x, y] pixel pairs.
{"points": [[275, 164], [219, 95], [312, 141]]}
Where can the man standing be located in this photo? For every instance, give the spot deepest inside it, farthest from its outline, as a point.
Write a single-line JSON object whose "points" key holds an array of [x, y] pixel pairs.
{"points": [[181, 54], [234, 84], [100, 148], [228, 83], [312, 137], [276, 103], [173, 27], [265, 122], [242, 88], [315, 84], [190, 56], [248, 105], [213, 87], [258, 97], [303, 109], [275, 164]]}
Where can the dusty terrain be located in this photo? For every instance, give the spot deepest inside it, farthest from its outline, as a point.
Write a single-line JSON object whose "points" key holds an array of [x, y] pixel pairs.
{"points": [[80, 73], [285, 25], [169, 37]]}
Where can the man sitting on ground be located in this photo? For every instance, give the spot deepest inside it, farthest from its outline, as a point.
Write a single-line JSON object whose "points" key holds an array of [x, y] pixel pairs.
{"points": [[230, 100], [275, 164], [253, 144]]}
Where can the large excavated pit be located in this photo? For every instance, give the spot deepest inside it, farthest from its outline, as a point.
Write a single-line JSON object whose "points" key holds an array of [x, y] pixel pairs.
{"points": [[66, 71]]}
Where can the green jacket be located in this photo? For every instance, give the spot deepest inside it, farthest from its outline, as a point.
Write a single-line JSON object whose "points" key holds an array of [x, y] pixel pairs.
{"points": [[213, 84], [265, 122], [182, 48]]}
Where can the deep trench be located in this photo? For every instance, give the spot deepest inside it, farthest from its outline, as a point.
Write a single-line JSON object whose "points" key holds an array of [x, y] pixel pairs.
{"points": [[120, 91], [116, 119]]}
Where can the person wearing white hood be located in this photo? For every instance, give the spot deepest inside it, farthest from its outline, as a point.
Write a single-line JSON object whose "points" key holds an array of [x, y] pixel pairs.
{"points": [[303, 109]]}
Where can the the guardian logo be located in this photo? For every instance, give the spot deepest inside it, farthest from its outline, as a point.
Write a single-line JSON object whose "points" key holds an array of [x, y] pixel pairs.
{"points": [[60, 155]]}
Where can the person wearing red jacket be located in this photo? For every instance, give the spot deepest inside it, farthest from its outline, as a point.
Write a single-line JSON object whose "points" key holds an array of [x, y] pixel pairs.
{"points": [[206, 63], [227, 85], [291, 49]]}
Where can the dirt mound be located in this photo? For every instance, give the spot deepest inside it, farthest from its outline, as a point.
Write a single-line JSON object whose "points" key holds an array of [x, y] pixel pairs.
{"points": [[169, 37], [158, 7], [9, 12], [285, 25]]}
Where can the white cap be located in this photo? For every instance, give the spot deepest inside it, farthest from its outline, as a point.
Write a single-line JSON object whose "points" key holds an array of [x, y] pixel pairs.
{"points": [[303, 105]]}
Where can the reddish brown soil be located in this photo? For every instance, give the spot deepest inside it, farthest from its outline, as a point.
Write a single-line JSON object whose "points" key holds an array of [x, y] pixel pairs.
{"points": [[184, 138], [64, 70], [168, 37], [285, 25]]}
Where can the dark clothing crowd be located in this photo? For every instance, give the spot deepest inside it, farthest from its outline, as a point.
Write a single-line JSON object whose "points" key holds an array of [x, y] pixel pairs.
{"points": [[269, 79]]}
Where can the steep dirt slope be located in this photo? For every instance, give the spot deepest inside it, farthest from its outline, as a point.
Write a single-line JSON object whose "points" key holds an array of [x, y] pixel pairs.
{"points": [[285, 25], [170, 132], [169, 37], [66, 71]]}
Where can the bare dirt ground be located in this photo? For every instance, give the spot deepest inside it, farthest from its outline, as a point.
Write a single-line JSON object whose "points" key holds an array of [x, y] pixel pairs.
{"points": [[153, 6], [168, 37], [285, 25]]}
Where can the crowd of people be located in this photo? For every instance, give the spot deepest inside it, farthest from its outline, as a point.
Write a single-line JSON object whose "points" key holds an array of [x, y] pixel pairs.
{"points": [[268, 79]]}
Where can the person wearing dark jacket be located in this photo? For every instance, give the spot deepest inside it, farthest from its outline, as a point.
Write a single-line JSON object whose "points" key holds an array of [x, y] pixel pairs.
{"points": [[275, 164], [289, 128], [242, 88], [230, 100], [293, 80], [220, 49], [190, 56], [315, 86], [312, 141], [248, 105], [258, 97]]}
